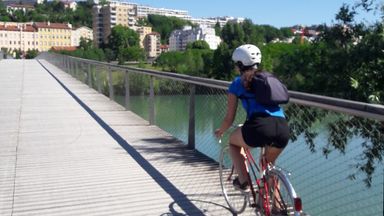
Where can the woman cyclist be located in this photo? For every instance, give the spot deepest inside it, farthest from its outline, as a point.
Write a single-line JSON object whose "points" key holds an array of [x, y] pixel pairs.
{"points": [[264, 126]]}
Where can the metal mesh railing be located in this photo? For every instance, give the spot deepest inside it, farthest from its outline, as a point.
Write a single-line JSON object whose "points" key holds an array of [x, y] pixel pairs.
{"points": [[335, 152]]}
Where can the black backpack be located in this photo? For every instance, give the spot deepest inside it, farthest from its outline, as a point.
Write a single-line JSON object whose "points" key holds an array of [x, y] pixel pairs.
{"points": [[269, 90]]}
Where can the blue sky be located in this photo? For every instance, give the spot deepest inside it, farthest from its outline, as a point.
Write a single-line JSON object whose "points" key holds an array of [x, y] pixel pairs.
{"points": [[278, 13]]}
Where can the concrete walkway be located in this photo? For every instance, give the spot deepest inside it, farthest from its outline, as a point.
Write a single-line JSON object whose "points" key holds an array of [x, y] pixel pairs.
{"points": [[65, 149]]}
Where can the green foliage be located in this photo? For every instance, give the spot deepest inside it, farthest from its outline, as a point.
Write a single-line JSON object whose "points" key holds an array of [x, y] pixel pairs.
{"points": [[31, 54], [130, 54], [122, 37], [124, 42], [222, 62], [165, 25], [52, 11], [191, 62], [143, 22], [200, 44], [91, 53]]}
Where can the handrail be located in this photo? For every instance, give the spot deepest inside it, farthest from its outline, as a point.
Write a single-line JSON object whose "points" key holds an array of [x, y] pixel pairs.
{"points": [[375, 111]]}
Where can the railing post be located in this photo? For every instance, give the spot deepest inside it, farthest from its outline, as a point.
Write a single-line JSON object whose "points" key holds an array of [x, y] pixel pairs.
{"points": [[151, 102], [110, 83], [191, 126], [98, 82], [66, 63], [76, 69], [89, 75], [72, 66], [127, 93]]}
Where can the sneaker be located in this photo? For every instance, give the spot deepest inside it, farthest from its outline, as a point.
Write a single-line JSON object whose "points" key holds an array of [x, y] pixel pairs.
{"points": [[238, 186]]}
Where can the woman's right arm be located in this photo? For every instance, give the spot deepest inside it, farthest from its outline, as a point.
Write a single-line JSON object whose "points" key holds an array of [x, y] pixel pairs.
{"points": [[230, 115]]}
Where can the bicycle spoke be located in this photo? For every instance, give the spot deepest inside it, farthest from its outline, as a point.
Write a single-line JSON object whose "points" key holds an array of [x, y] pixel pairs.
{"points": [[235, 199], [281, 199]]}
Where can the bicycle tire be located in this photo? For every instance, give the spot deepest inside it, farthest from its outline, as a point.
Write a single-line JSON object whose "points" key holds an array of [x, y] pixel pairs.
{"points": [[281, 193], [236, 199]]}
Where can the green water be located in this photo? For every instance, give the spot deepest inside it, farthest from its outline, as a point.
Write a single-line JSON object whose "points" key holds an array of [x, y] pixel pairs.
{"points": [[322, 182]]}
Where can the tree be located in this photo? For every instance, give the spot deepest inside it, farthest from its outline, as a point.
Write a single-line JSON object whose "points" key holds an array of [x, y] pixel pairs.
{"points": [[134, 53], [165, 25], [199, 44], [31, 54], [222, 63], [122, 37], [217, 29], [85, 43]]}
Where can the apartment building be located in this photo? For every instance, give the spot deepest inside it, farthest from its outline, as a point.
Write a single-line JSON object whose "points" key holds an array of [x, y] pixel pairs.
{"points": [[105, 17], [212, 21], [97, 25], [142, 31], [82, 32], [179, 39], [24, 2], [53, 34], [71, 4], [19, 7], [41, 35], [20, 36], [152, 45], [144, 11]]}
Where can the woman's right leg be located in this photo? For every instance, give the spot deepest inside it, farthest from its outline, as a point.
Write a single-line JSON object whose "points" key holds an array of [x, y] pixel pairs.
{"points": [[271, 153]]}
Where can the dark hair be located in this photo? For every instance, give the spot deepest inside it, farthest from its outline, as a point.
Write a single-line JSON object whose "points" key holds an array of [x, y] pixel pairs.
{"points": [[244, 67]]}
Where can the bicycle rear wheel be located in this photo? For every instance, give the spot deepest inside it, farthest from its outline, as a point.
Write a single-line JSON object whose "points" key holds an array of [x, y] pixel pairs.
{"points": [[283, 199], [236, 199]]}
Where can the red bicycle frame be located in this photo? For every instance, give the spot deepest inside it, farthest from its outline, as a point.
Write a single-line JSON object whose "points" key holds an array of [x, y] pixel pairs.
{"points": [[261, 182]]}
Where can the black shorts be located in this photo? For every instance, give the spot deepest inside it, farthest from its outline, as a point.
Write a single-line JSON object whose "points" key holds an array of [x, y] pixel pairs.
{"points": [[266, 130]]}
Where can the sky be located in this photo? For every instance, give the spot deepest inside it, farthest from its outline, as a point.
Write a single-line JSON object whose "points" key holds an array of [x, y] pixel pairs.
{"points": [[277, 13]]}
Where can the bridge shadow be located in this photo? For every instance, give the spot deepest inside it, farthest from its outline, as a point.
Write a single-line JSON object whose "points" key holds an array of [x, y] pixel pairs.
{"points": [[174, 212], [179, 197], [176, 150]]}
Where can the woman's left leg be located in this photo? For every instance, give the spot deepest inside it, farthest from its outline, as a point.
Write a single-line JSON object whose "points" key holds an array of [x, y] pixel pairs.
{"points": [[236, 143]]}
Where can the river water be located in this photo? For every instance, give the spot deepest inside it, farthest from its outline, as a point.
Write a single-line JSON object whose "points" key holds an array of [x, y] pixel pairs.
{"points": [[322, 182]]}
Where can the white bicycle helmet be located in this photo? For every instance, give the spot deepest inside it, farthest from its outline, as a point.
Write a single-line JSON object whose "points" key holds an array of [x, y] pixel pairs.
{"points": [[248, 55]]}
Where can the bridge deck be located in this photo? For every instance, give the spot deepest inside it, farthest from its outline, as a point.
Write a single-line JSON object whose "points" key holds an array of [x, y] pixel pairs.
{"points": [[67, 150]]}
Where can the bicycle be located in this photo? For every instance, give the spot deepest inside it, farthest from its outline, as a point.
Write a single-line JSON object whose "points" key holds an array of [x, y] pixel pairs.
{"points": [[270, 188]]}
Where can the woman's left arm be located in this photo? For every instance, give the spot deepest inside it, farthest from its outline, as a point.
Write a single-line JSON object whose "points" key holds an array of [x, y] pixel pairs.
{"points": [[230, 115]]}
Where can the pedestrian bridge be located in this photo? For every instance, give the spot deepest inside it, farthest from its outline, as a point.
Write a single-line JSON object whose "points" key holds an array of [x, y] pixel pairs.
{"points": [[80, 137]]}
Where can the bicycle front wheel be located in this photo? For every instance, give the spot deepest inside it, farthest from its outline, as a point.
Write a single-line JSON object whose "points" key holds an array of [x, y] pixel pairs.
{"points": [[236, 199], [283, 199]]}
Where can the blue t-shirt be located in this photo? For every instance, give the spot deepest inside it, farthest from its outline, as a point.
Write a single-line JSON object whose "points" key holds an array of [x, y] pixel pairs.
{"points": [[249, 103]]}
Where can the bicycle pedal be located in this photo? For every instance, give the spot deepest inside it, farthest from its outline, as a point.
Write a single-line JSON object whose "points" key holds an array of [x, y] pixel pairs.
{"points": [[254, 205]]}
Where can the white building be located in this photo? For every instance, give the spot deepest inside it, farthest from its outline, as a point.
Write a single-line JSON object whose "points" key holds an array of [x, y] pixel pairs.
{"points": [[152, 45], [20, 36], [179, 39], [82, 32], [108, 16], [29, 2], [144, 11], [142, 31], [211, 21], [71, 4]]}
